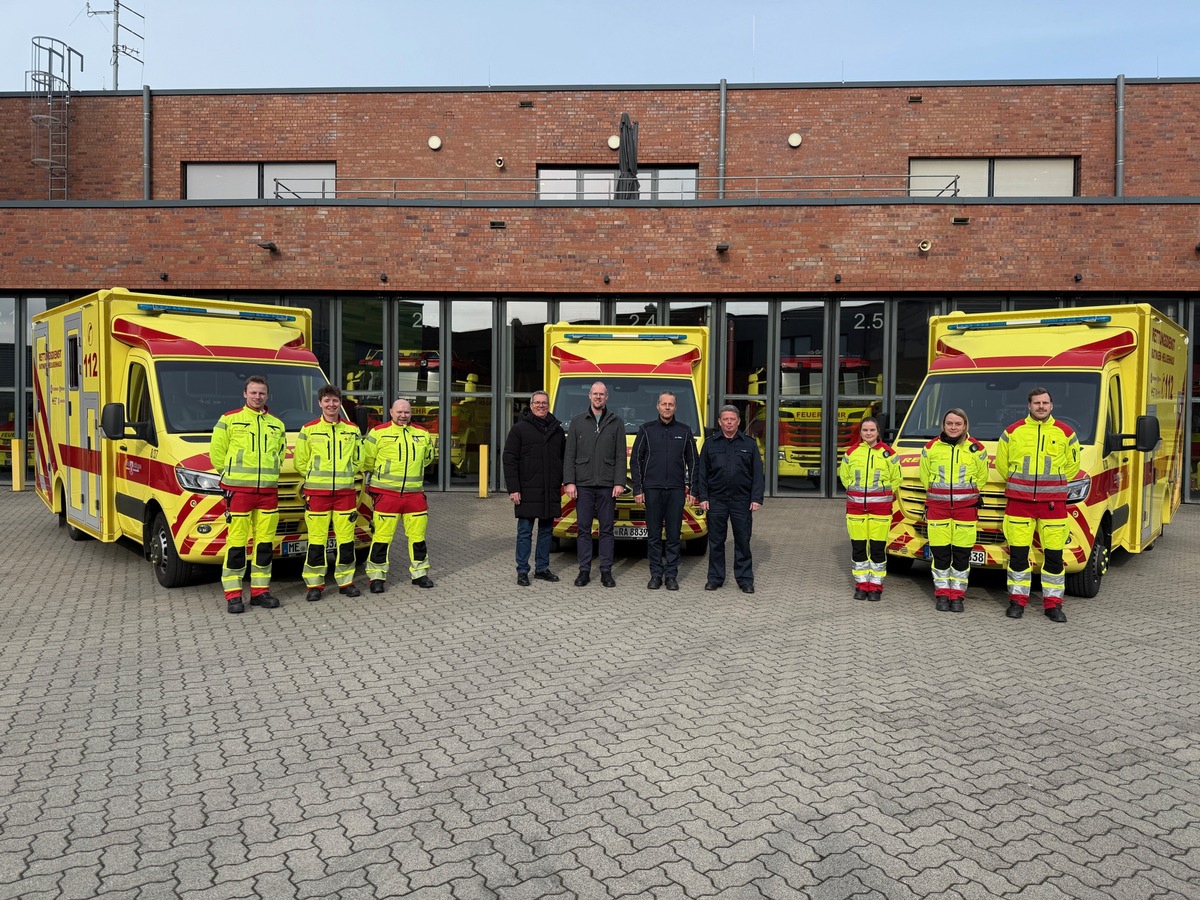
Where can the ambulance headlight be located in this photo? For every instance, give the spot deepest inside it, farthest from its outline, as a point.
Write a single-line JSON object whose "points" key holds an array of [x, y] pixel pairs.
{"points": [[198, 482], [1078, 489]]}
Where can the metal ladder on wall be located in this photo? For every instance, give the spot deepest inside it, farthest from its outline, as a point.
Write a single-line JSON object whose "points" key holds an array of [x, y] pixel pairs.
{"points": [[49, 87]]}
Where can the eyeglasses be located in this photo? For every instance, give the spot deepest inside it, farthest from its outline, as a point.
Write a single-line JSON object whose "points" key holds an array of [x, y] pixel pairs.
{"points": [[539, 403]]}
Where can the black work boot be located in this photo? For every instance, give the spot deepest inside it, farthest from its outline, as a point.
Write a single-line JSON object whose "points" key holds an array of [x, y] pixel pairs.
{"points": [[313, 595]]}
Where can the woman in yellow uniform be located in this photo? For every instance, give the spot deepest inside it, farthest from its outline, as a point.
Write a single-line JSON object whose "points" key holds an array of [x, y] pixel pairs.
{"points": [[870, 474]]}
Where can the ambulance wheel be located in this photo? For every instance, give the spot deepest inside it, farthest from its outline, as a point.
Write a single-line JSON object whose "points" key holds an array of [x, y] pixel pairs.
{"points": [[170, 570], [899, 565], [72, 532], [1086, 582], [696, 546]]}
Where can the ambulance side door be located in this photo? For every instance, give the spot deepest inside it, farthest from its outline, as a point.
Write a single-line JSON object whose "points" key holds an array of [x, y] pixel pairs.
{"points": [[137, 453]]}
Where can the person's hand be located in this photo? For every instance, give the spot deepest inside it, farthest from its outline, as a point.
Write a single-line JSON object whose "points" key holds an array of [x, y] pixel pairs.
{"points": [[572, 491], [618, 490], [704, 505], [515, 496], [755, 507], [689, 500], [640, 499]]}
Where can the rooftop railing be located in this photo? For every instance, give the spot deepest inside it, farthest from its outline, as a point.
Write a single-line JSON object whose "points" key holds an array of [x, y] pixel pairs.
{"points": [[500, 190]]}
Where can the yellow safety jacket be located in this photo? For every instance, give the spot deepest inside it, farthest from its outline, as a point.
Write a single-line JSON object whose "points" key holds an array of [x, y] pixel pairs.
{"points": [[394, 457], [327, 455], [1037, 459], [870, 476], [247, 448], [953, 474]]}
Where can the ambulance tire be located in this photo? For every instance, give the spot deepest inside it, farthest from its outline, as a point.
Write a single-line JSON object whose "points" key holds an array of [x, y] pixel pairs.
{"points": [[72, 532], [1086, 582], [696, 546], [170, 570], [899, 565]]}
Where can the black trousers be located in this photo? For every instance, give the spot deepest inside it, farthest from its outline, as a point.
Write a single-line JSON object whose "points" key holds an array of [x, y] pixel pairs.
{"points": [[721, 514], [664, 513]]}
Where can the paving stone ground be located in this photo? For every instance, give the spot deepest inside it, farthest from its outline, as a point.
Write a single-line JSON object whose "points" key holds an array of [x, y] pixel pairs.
{"points": [[488, 740]]}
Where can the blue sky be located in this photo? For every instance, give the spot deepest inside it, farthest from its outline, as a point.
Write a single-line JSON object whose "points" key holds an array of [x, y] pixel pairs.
{"points": [[455, 43]]}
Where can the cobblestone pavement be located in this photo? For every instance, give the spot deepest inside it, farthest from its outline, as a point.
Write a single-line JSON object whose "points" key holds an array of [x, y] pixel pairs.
{"points": [[488, 740]]}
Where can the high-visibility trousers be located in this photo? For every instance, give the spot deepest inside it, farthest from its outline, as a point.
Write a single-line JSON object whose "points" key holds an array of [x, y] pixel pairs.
{"points": [[411, 512], [1052, 531], [950, 543], [868, 556], [249, 513], [322, 509]]}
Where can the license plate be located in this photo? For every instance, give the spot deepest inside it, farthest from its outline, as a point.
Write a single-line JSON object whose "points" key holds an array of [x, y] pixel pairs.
{"points": [[300, 548], [978, 555], [629, 531]]}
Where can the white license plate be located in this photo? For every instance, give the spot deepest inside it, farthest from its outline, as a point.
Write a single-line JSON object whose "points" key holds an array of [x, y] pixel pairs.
{"points": [[629, 531], [978, 556], [300, 548]]}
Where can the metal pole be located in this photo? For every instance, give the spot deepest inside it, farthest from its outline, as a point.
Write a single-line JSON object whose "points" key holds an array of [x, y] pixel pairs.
{"points": [[116, 41]]}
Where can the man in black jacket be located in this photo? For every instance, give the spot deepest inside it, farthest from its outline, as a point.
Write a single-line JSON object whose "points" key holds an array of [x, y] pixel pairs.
{"points": [[533, 472], [729, 486], [594, 472], [663, 465]]}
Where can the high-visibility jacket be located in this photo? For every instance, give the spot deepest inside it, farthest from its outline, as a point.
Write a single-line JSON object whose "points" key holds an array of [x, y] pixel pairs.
{"points": [[327, 455], [394, 457], [247, 448], [953, 475], [870, 476], [1037, 459]]}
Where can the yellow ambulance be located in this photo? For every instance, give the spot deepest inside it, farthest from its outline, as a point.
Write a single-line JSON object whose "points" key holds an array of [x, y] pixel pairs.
{"points": [[636, 364], [1118, 377], [127, 389]]}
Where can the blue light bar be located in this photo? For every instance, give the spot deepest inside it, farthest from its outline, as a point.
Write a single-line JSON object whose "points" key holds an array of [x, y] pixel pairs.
{"points": [[592, 336], [157, 309], [1025, 323]]}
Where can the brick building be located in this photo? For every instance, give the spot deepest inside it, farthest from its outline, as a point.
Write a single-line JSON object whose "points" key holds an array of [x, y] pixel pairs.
{"points": [[815, 221]]}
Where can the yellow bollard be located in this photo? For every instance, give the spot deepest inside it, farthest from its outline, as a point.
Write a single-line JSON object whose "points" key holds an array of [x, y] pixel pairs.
{"points": [[18, 464], [483, 471]]}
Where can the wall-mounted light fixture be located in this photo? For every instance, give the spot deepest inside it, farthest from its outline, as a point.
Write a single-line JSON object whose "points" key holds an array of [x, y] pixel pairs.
{"points": [[837, 278], [795, 139], [435, 142], [722, 247], [614, 142], [269, 246], [607, 279], [499, 162], [162, 276], [383, 277], [1078, 277], [1198, 248]]}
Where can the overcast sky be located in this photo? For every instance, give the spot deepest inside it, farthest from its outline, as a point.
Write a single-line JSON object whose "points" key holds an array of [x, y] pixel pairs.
{"points": [[464, 43]]}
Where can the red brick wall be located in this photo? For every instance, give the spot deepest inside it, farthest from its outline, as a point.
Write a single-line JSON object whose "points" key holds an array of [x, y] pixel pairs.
{"points": [[773, 249], [847, 130]]}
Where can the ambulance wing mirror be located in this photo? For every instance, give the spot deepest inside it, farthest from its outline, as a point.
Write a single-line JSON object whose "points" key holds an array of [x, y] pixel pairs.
{"points": [[887, 433], [112, 421], [1147, 435]]}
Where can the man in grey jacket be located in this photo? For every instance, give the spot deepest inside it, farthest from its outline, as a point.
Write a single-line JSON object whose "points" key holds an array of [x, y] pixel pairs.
{"points": [[594, 476]]}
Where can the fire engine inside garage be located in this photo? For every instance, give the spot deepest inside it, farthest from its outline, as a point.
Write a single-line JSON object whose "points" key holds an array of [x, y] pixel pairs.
{"points": [[434, 233]]}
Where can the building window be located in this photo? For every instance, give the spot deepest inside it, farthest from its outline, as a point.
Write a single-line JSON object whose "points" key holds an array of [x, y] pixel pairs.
{"points": [[599, 184], [993, 177], [259, 181]]}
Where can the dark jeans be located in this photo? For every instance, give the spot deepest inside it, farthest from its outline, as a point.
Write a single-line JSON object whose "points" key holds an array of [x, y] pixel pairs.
{"points": [[664, 512], [525, 539], [722, 513], [595, 503]]}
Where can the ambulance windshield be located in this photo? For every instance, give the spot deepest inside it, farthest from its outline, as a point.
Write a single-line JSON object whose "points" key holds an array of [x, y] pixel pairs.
{"points": [[194, 394], [633, 398], [994, 400]]}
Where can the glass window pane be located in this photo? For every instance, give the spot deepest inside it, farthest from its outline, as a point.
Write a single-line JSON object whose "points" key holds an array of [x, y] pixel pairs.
{"points": [[425, 414], [690, 312], [221, 181], [912, 343], [800, 383], [745, 333], [525, 331], [470, 425], [291, 181], [320, 309], [8, 346], [598, 185], [1033, 178], [637, 312], [676, 184], [860, 366], [471, 345], [363, 359], [933, 177], [558, 184], [579, 312]]}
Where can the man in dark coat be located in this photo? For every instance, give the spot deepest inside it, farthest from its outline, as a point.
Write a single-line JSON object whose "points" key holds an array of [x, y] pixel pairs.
{"points": [[533, 474]]}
